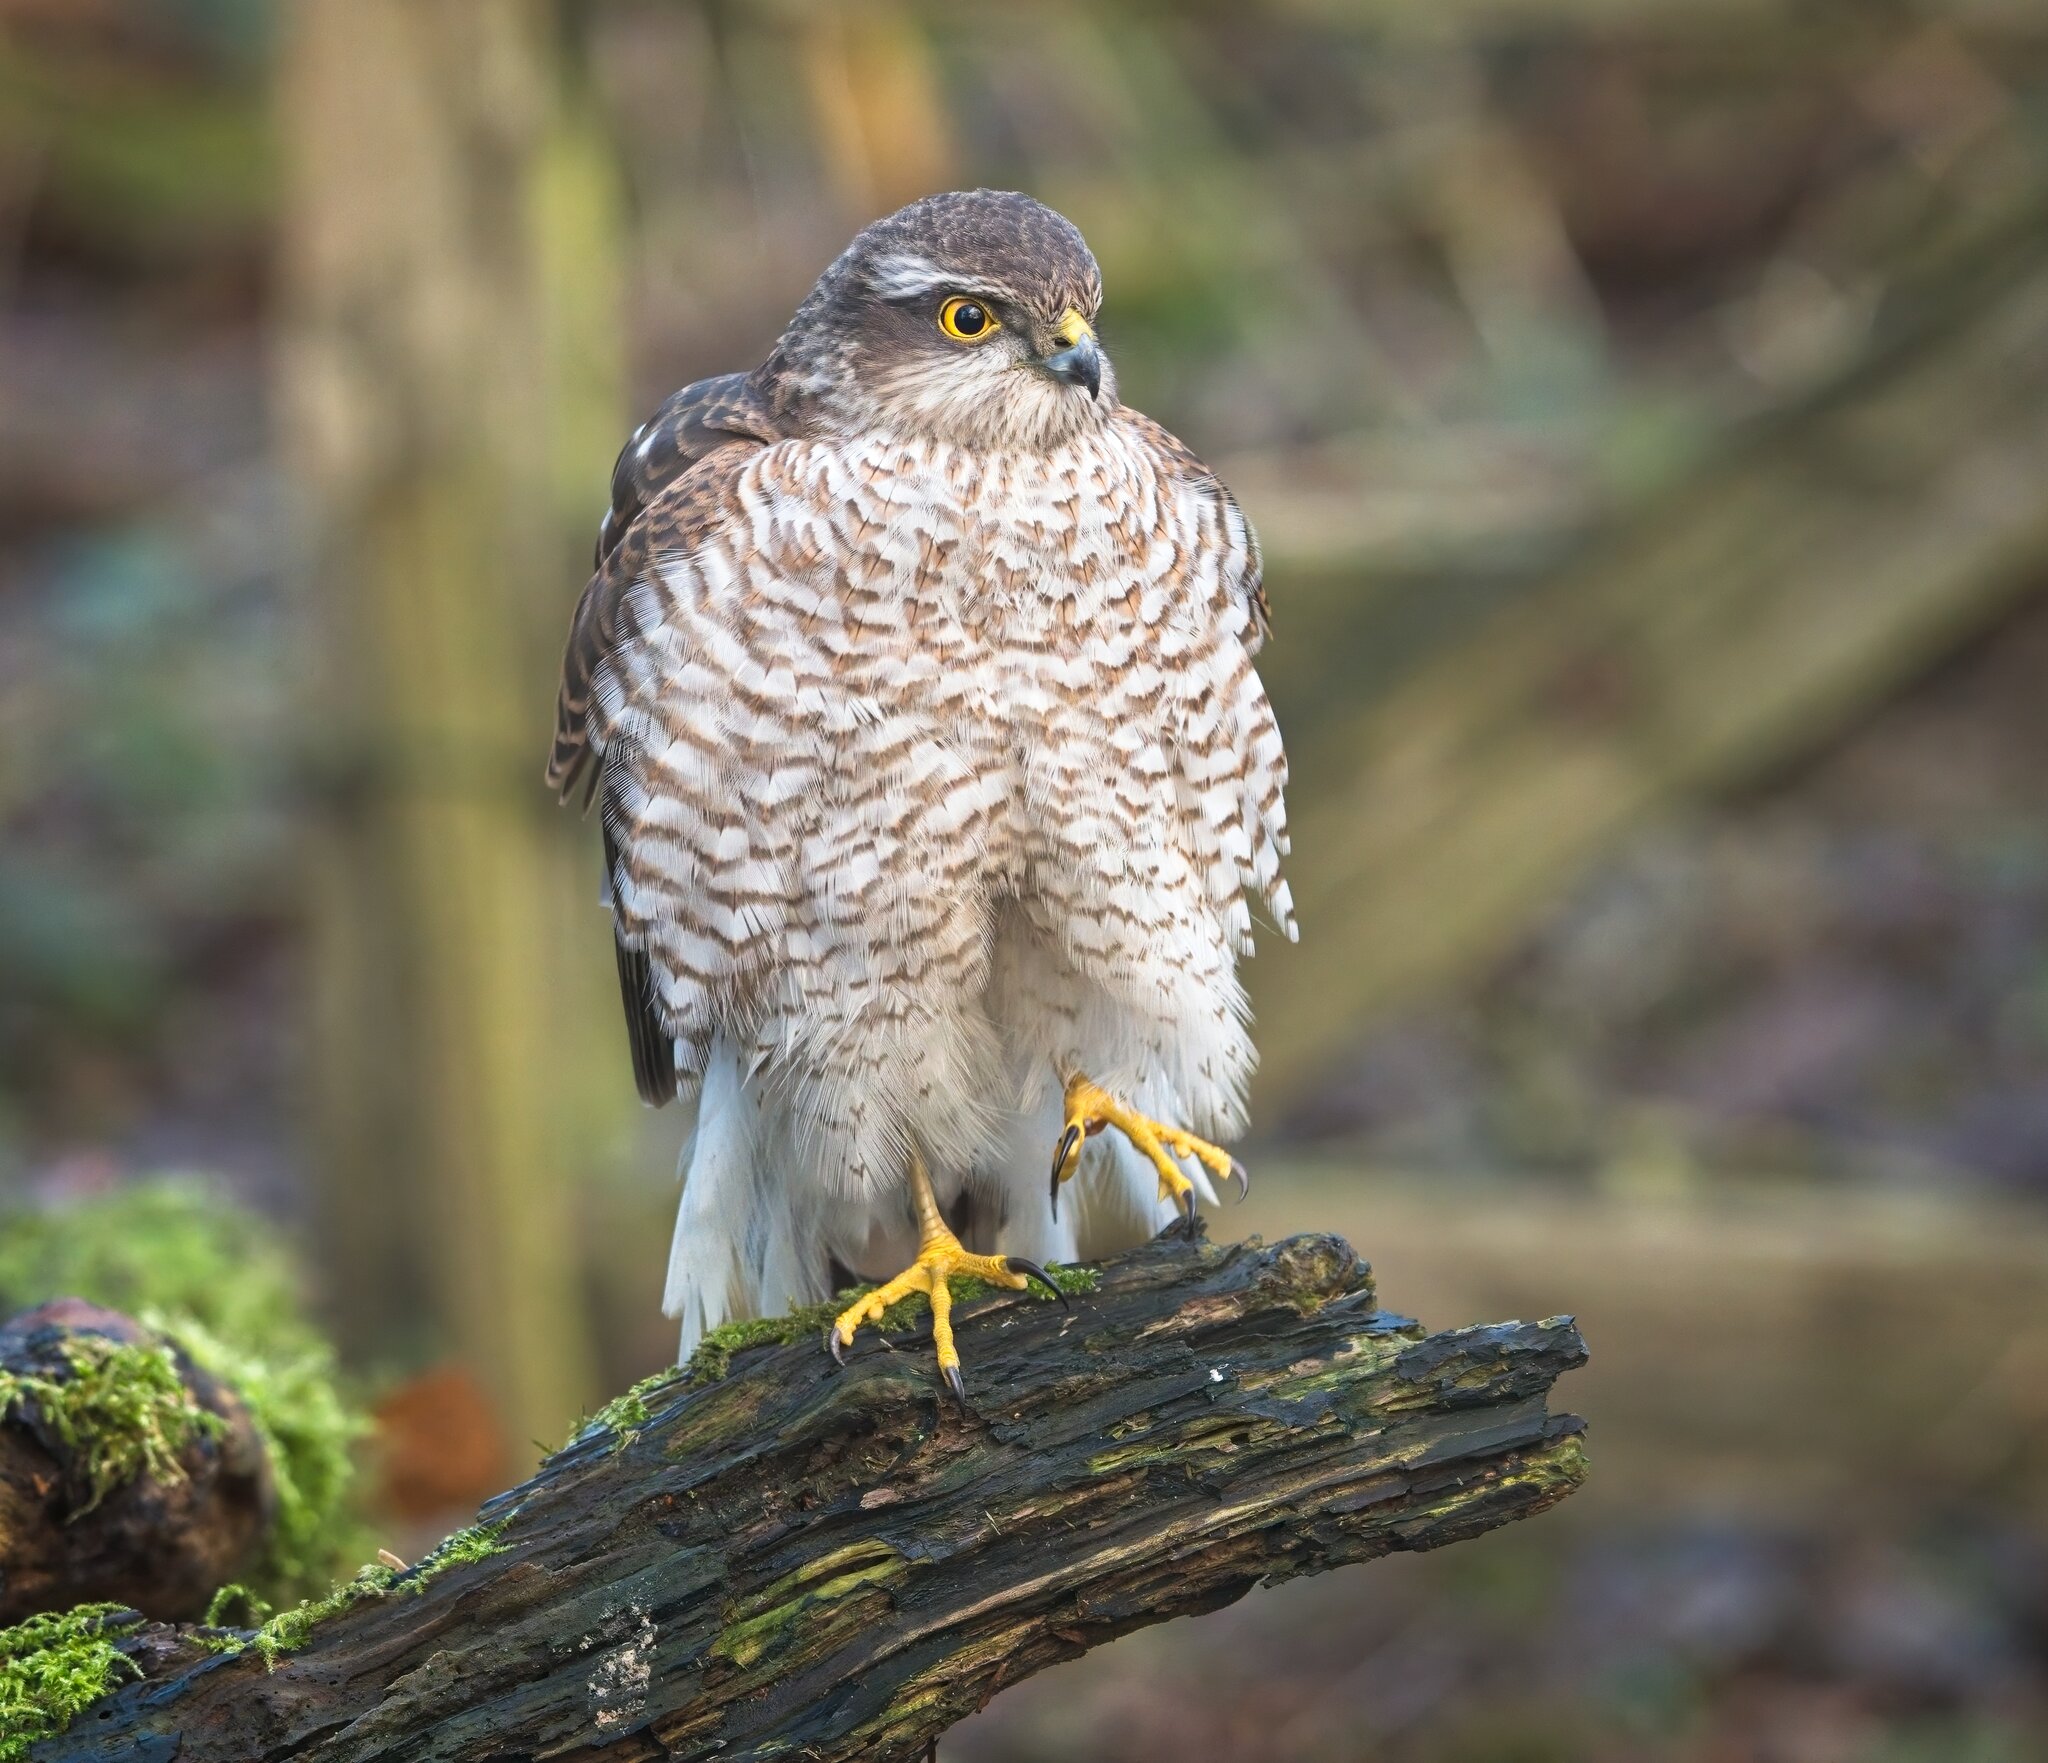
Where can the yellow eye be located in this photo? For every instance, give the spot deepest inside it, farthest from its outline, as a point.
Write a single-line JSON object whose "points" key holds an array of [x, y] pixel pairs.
{"points": [[967, 321]]}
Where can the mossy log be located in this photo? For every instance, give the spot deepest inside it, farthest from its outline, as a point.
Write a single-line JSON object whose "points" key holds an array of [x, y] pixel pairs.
{"points": [[793, 1560]]}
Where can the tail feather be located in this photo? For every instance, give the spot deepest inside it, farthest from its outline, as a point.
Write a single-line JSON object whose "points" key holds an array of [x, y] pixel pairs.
{"points": [[751, 1237], [707, 1282]]}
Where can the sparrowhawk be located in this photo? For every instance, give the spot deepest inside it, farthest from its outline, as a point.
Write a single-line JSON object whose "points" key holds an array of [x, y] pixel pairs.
{"points": [[915, 687]]}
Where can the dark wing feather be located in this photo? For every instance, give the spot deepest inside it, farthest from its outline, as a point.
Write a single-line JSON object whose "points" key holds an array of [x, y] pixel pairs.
{"points": [[698, 421], [666, 486], [654, 1052], [692, 422]]}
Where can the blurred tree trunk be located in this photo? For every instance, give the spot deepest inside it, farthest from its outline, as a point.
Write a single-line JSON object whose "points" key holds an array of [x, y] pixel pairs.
{"points": [[450, 383], [875, 101]]}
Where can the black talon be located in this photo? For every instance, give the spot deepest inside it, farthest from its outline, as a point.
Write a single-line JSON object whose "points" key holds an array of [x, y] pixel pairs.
{"points": [[1031, 1270], [1242, 1176], [1193, 1221], [832, 1344], [957, 1385], [1068, 1140]]}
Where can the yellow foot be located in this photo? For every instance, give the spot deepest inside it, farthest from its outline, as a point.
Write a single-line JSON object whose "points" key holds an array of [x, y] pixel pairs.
{"points": [[939, 1258], [1090, 1109]]}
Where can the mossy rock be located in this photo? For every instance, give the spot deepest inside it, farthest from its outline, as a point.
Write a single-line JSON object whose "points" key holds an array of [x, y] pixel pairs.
{"points": [[128, 1474], [216, 1282]]}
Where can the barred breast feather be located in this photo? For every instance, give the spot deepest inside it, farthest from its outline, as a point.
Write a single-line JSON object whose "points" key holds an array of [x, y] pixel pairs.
{"points": [[928, 775]]}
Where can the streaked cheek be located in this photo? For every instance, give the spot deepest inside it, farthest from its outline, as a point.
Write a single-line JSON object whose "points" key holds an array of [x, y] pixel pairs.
{"points": [[952, 384]]}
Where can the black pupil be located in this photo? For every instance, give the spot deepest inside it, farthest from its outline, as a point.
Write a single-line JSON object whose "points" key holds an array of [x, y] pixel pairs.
{"points": [[969, 319]]}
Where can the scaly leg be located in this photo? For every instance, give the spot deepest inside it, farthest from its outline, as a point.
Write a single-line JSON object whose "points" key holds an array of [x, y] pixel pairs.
{"points": [[1091, 1108], [940, 1257]]}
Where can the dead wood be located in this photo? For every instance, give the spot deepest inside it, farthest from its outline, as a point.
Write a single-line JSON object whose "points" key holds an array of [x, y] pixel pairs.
{"points": [[792, 1560]]}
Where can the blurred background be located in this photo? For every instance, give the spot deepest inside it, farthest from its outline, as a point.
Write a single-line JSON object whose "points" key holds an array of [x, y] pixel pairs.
{"points": [[1644, 404]]}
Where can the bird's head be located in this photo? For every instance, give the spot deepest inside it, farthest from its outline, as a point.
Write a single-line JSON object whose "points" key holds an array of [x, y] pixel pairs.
{"points": [[967, 317]]}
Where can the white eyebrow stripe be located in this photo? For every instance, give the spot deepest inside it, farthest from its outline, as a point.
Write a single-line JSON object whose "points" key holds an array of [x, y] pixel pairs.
{"points": [[903, 275]]}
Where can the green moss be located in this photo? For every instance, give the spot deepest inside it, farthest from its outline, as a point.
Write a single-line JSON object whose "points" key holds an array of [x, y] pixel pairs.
{"points": [[227, 1598], [1185, 1446], [171, 1244], [217, 1280], [1348, 1367], [124, 1411], [289, 1630], [625, 1415], [51, 1667], [1546, 1473], [295, 1402], [713, 1357], [475, 1542], [763, 1621], [852, 1561]]}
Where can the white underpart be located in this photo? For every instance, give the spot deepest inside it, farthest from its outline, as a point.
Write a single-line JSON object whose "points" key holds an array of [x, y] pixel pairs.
{"points": [[946, 773]]}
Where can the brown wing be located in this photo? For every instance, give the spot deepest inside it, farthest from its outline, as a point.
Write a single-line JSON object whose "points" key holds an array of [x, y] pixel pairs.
{"points": [[714, 416], [665, 488], [689, 425], [1183, 459]]}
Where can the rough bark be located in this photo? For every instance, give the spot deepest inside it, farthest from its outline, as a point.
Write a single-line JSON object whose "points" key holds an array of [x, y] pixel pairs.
{"points": [[795, 1560]]}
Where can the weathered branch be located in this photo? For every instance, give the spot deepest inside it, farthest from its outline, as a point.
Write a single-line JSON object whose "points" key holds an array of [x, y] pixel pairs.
{"points": [[799, 1561]]}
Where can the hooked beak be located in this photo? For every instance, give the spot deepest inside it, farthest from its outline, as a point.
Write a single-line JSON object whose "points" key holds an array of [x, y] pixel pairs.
{"points": [[1077, 361]]}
